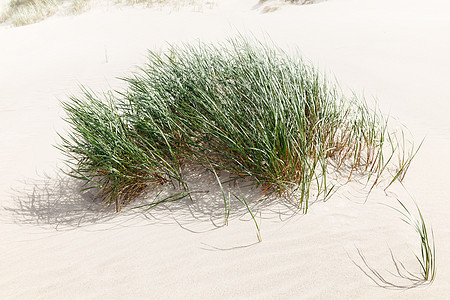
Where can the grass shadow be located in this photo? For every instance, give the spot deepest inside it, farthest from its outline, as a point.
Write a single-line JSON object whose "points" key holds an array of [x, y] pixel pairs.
{"points": [[59, 202], [400, 279], [426, 259]]}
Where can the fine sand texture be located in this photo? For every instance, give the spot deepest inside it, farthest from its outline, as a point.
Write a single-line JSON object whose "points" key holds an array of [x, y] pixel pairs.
{"points": [[58, 243]]}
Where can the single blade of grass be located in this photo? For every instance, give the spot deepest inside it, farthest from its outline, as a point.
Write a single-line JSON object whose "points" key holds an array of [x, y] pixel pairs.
{"points": [[242, 200]]}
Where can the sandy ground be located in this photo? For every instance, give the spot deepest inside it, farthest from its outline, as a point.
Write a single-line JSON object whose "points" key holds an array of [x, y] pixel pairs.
{"points": [[58, 244]]}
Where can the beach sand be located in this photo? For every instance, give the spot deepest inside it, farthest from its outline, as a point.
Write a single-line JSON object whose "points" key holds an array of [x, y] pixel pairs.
{"points": [[56, 243]]}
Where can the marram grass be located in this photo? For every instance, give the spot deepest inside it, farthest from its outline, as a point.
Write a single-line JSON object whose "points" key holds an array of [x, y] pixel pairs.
{"points": [[243, 107], [25, 12], [427, 258], [403, 279]]}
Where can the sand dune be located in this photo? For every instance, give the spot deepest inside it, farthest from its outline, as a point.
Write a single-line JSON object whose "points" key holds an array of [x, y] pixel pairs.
{"points": [[56, 243]]}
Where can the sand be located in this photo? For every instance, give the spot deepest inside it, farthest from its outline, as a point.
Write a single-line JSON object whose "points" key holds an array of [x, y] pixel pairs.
{"points": [[56, 243]]}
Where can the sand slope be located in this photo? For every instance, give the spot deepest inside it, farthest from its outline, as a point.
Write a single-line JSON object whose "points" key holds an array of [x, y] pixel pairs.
{"points": [[58, 244]]}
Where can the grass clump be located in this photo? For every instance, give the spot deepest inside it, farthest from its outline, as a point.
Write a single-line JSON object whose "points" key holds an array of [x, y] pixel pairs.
{"points": [[243, 107], [24, 12], [79, 6]]}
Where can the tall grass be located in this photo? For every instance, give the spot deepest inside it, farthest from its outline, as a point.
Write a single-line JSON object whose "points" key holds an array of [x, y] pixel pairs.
{"points": [[402, 278], [24, 12], [243, 107], [79, 6], [427, 258]]}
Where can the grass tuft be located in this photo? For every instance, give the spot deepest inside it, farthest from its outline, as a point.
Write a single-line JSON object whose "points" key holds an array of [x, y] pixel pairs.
{"points": [[427, 258], [80, 6], [24, 12], [243, 107], [402, 278]]}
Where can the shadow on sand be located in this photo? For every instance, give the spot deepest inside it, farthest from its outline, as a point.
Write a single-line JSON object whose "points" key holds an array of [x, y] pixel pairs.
{"points": [[59, 202], [400, 279]]}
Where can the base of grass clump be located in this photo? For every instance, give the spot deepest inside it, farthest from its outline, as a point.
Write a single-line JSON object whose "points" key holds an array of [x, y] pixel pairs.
{"points": [[243, 107]]}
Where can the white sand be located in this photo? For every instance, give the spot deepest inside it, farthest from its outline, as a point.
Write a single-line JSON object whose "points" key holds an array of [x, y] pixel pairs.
{"points": [[60, 245]]}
